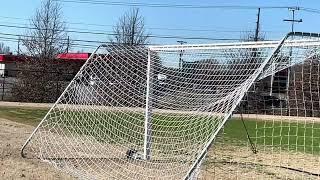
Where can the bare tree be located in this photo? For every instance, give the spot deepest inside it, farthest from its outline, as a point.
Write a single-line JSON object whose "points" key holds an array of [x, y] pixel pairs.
{"points": [[47, 35], [4, 49], [130, 29], [42, 77], [251, 36]]}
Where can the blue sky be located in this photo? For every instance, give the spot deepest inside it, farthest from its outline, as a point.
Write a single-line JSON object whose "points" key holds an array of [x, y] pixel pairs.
{"points": [[217, 23]]}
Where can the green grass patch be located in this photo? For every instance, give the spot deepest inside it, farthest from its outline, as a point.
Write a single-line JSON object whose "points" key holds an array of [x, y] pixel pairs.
{"points": [[291, 136], [116, 126], [30, 116]]}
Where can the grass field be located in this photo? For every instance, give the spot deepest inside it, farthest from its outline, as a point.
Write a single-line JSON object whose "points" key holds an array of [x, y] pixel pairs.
{"points": [[29, 116], [291, 136]]}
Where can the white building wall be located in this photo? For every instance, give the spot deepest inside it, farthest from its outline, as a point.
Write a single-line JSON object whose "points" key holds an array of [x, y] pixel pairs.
{"points": [[2, 69]]}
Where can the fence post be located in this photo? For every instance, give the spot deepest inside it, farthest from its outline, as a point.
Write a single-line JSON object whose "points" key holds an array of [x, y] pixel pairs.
{"points": [[57, 86], [3, 83]]}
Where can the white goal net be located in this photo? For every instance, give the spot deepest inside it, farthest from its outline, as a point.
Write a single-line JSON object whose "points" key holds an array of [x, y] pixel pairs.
{"points": [[135, 112]]}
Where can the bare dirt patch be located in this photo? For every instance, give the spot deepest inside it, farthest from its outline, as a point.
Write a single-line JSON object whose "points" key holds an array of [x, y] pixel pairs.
{"points": [[223, 162], [227, 161], [12, 165], [21, 104]]}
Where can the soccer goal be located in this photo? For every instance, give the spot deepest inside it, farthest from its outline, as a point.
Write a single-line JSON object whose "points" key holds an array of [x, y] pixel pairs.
{"points": [[226, 110]]}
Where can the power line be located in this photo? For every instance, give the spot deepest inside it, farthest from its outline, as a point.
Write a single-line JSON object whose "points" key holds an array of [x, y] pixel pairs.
{"points": [[10, 39], [311, 10], [61, 39], [293, 20], [17, 39], [152, 28], [226, 29], [112, 34], [166, 29], [167, 5]]}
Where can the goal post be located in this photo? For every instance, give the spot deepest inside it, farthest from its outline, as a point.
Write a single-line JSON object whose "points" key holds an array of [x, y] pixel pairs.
{"points": [[244, 89], [284, 121], [151, 111], [148, 113], [55, 104]]}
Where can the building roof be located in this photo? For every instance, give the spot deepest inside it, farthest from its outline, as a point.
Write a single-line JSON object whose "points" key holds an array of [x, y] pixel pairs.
{"points": [[11, 58], [73, 56], [62, 56]]}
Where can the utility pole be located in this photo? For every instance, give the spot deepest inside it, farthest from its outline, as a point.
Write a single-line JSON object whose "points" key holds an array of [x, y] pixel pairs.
{"points": [[132, 34], [19, 46], [256, 35], [181, 54], [68, 44], [293, 20]]}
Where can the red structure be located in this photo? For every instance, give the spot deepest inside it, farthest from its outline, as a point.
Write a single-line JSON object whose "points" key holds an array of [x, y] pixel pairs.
{"points": [[74, 56], [8, 62], [64, 56], [11, 58]]}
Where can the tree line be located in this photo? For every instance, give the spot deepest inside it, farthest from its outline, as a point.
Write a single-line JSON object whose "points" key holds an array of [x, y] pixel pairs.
{"points": [[46, 38]]}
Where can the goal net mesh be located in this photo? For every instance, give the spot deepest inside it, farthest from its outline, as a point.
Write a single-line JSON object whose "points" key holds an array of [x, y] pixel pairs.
{"points": [[135, 112]]}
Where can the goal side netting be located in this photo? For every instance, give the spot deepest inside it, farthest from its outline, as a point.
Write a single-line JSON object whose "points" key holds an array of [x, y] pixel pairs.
{"points": [[136, 112]]}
